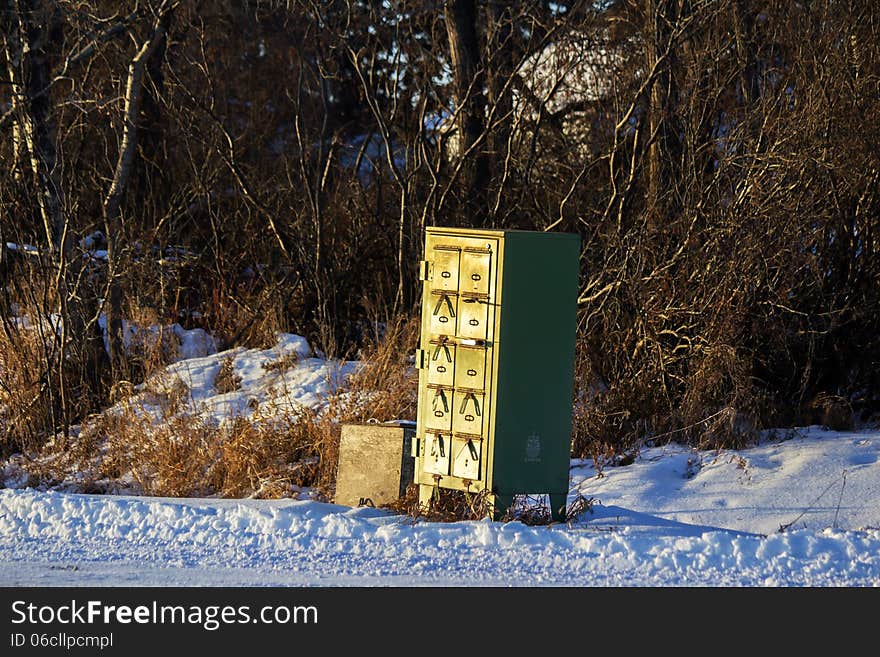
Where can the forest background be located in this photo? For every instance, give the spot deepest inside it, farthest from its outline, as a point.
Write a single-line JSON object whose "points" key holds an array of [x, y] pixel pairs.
{"points": [[256, 167]]}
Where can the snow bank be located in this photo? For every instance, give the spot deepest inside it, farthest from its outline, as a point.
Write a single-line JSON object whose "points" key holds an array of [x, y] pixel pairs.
{"points": [[109, 541]]}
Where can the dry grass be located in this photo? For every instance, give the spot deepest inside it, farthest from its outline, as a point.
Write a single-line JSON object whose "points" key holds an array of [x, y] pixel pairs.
{"points": [[385, 386], [831, 411], [155, 443], [247, 313], [455, 505], [150, 348], [277, 456], [227, 380], [188, 455], [446, 506], [42, 389], [281, 365], [601, 430], [28, 408]]}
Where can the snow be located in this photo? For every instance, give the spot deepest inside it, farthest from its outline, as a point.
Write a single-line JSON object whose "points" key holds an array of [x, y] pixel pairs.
{"points": [[574, 68], [27, 249], [283, 377], [800, 509]]}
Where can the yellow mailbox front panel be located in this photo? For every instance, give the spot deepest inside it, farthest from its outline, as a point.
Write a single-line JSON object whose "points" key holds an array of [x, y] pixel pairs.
{"points": [[458, 314]]}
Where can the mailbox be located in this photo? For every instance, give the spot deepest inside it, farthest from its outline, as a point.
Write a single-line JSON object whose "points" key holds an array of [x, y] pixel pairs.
{"points": [[496, 364]]}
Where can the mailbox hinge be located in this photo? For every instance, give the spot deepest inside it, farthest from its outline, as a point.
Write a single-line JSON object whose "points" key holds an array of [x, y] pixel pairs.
{"points": [[425, 270]]}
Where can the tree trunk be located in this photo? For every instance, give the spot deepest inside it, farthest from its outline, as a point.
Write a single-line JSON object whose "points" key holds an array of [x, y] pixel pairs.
{"points": [[152, 183], [500, 98], [29, 73], [468, 74], [12, 53], [664, 150]]}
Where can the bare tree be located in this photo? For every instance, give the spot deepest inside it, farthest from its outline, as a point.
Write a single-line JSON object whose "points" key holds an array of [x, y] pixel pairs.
{"points": [[264, 165], [112, 206]]}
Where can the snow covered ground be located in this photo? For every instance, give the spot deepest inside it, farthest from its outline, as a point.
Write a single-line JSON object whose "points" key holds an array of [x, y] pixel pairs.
{"points": [[801, 509]]}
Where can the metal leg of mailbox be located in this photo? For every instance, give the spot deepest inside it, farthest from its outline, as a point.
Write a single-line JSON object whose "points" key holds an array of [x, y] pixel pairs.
{"points": [[500, 505], [557, 506], [426, 494]]}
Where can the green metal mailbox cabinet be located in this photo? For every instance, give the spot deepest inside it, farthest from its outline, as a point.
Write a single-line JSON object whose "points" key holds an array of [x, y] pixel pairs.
{"points": [[496, 364]]}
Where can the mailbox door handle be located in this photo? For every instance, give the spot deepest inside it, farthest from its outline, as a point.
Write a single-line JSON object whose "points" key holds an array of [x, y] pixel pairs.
{"points": [[445, 352], [440, 397], [464, 403], [444, 297]]}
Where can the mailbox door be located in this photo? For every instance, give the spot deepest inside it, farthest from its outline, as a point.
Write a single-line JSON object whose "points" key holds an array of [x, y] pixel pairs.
{"points": [[469, 412], [439, 409], [443, 306], [441, 362], [444, 271], [475, 283], [470, 366], [476, 265], [466, 456], [438, 445]]}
